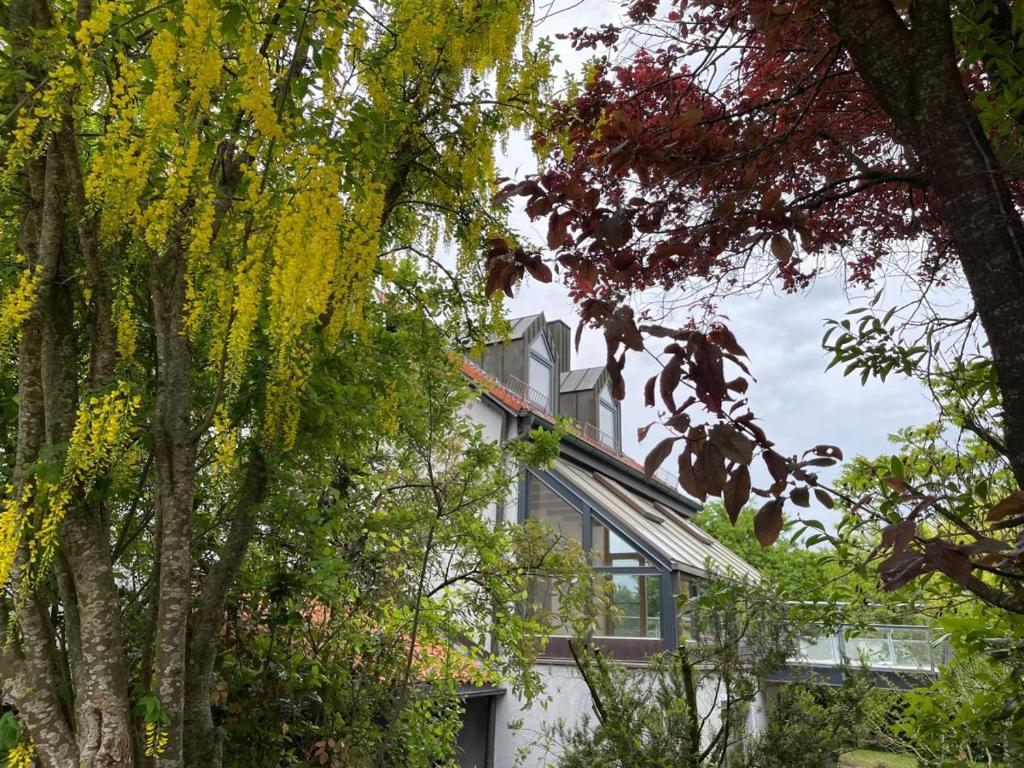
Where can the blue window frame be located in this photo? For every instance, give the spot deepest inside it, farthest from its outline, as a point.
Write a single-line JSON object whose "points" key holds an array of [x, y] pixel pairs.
{"points": [[638, 579]]}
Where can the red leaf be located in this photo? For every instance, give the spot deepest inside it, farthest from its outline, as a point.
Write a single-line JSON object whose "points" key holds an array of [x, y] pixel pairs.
{"points": [[1011, 505], [768, 522], [649, 391], [777, 465], [710, 467], [678, 421], [658, 455], [558, 226], [902, 568], [800, 496], [670, 376], [538, 270], [829, 451], [737, 492], [948, 559], [782, 248], [898, 535], [823, 498], [688, 479], [732, 444]]}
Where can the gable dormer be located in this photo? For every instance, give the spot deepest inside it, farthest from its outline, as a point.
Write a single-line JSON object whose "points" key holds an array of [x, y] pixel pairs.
{"points": [[586, 396], [528, 362]]}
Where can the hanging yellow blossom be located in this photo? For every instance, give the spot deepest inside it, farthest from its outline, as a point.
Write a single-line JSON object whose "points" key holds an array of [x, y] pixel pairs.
{"points": [[17, 306], [21, 755]]}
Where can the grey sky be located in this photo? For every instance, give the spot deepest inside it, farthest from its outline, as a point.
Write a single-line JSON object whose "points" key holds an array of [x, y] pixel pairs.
{"points": [[798, 403]]}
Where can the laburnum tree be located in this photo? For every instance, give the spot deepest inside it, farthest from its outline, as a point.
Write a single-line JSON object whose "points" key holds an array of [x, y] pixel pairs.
{"points": [[716, 147], [199, 199]]}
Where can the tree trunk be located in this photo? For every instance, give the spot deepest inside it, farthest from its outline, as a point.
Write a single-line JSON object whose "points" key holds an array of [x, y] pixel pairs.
{"points": [[913, 72], [174, 485], [202, 747]]}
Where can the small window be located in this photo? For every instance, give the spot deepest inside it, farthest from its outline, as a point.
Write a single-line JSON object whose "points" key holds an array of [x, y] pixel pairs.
{"points": [[607, 417], [635, 605], [540, 375]]}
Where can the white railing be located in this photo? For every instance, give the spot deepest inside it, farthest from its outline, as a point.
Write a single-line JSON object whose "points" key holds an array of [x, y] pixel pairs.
{"points": [[524, 391], [880, 646]]}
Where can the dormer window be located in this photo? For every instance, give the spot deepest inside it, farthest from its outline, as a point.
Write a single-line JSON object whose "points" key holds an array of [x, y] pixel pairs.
{"points": [[541, 373], [608, 418]]}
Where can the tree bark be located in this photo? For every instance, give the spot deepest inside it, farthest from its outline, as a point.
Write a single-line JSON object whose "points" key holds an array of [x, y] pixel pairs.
{"points": [[33, 685], [174, 486], [202, 747]]}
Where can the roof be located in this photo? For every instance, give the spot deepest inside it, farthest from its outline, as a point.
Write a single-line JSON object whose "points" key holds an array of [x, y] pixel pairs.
{"points": [[518, 327], [686, 546], [508, 399], [580, 379]]}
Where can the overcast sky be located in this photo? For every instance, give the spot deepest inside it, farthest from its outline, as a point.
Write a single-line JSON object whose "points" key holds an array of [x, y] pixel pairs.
{"points": [[798, 403]]}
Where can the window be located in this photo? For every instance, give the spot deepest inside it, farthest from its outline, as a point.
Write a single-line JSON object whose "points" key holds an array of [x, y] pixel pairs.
{"points": [[685, 590], [545, 505], [633, 583], [540, 374], [635, 605], [607, 418]]}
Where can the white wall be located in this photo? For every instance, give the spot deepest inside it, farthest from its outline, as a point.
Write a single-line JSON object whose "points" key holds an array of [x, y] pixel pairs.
{"points": [[493, 420], [520, 740], [565, 697]]}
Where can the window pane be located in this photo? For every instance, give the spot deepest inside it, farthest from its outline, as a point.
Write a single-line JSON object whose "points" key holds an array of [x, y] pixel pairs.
{"points": [[606, 422], [686, 589], [609, 550], [539, 379], [635, 606], [543, 599], [544, 504]]}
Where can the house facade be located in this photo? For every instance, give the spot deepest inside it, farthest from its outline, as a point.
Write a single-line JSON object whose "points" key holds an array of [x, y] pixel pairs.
{"points": [[637, 532]]}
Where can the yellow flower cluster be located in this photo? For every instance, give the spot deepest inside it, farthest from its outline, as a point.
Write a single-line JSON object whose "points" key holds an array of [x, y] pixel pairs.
{"points": [[156, 739], [255, 94], [124, 319], [28, 139], [225, 449], [10, 531], [17, 306], [102, 431], [120, 169], [21, 755], [93, 30], [353, 273], [306, 256]]}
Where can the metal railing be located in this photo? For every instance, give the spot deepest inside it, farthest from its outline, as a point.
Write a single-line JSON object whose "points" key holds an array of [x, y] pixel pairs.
{"points": [[594, 434], [524, 391], [879, 647]]}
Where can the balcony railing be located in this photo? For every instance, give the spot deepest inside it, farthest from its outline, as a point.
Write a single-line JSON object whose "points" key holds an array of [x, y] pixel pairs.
{"points": [[879, 647], [595, 435], [524, 391]]}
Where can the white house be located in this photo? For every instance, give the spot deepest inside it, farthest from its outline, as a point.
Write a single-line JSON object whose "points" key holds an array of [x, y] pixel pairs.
{"points": [[636, 531]]}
